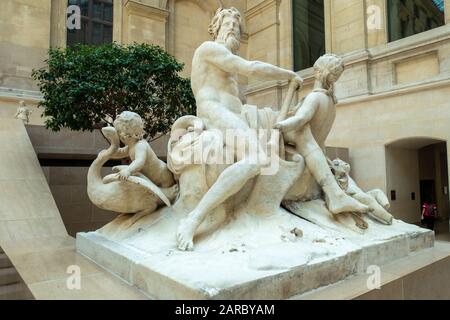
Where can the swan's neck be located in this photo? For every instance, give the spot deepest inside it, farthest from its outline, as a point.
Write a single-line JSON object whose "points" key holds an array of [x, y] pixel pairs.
{"points": [[95, 170]]}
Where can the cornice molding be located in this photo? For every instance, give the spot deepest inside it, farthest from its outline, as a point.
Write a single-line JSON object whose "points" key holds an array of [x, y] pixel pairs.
{"points": [[398, 91], [415, 42], [10, 94], [262, 6], [141, 9]]}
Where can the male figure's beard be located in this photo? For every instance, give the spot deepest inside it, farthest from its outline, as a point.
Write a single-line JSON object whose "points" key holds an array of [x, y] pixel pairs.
{"points": [[232, 42]]}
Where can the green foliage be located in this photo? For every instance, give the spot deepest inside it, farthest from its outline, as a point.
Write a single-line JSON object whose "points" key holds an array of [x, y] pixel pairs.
{"points": [[84, 87]]}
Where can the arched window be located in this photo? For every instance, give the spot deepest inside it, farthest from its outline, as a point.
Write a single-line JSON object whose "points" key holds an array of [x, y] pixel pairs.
{"points": [[309, 32], [409, 17], [96, 22]]}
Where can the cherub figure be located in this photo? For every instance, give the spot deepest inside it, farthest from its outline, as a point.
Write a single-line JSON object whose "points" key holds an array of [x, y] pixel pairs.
{"points": [[130, 128], [375, 199], [23, 112], [309, 128]]}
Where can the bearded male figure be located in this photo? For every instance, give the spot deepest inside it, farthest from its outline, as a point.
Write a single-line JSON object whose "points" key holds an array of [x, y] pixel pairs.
{"points": [[215, 68]]}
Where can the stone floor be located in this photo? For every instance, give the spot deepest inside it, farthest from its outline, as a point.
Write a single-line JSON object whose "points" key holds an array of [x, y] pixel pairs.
{"points": [[43, 264], [422, 275]]}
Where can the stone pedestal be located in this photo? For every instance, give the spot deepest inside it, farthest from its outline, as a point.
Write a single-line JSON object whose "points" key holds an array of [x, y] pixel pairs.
{"points": [[251, 257]]}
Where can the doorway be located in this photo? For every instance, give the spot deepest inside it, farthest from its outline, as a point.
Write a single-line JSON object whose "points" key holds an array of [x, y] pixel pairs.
{"points": [[417, 172], [427, 191]]}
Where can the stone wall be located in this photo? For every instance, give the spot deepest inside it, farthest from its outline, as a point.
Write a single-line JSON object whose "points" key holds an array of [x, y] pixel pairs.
{"points": [[65, 159], [402, 167], [68, 186], [25, 38]]}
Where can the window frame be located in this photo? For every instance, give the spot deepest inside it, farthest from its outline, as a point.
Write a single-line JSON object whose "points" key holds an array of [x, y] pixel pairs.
{"points": [[388, 23], [293, 33], [90, 20]]}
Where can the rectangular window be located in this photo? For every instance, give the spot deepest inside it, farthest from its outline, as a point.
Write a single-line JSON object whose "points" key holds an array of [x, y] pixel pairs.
{"points": [[96, 22], [409, 17], [309, 32]]}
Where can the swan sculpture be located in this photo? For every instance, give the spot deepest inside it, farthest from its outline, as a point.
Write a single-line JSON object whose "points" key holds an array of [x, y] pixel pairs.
{"points": [[136, 195]]}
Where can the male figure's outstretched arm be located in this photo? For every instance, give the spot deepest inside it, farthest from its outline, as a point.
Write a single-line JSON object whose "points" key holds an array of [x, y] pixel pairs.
{"points": [[227, 61]]}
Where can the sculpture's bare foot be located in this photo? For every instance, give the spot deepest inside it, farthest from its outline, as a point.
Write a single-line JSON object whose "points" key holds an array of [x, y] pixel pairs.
{"points": [[380, 197], [344, 203], [185, 234], [378, 211], [172, 192]]}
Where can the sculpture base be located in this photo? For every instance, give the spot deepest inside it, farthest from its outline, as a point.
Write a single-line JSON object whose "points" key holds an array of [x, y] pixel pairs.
{"points": [[249, 257]]}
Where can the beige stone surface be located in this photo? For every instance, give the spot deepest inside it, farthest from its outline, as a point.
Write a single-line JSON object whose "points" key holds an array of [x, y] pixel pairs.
{"points": [[101, 286], [447, 10], [25, 38], [235, 264], [418, 68], [28, 208], [376, 12], [144, 23], [189, 30], [348, 25], [8, 108], [264, 30], [32, 233], [39, 266], [43, 264], [345, 290], [402, 168], [422, 275], [286, 35], [58, 30]]}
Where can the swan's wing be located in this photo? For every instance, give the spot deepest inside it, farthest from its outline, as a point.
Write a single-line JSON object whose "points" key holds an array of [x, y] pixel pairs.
{"points": [[150, 186], [141, 180]]}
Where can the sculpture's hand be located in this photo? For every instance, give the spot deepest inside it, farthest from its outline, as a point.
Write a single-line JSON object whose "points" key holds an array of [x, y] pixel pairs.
{"points": [[299, 80], [124, 174]]}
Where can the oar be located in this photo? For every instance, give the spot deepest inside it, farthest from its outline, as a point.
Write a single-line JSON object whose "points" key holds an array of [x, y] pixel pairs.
{"points": [[293, 86]]}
